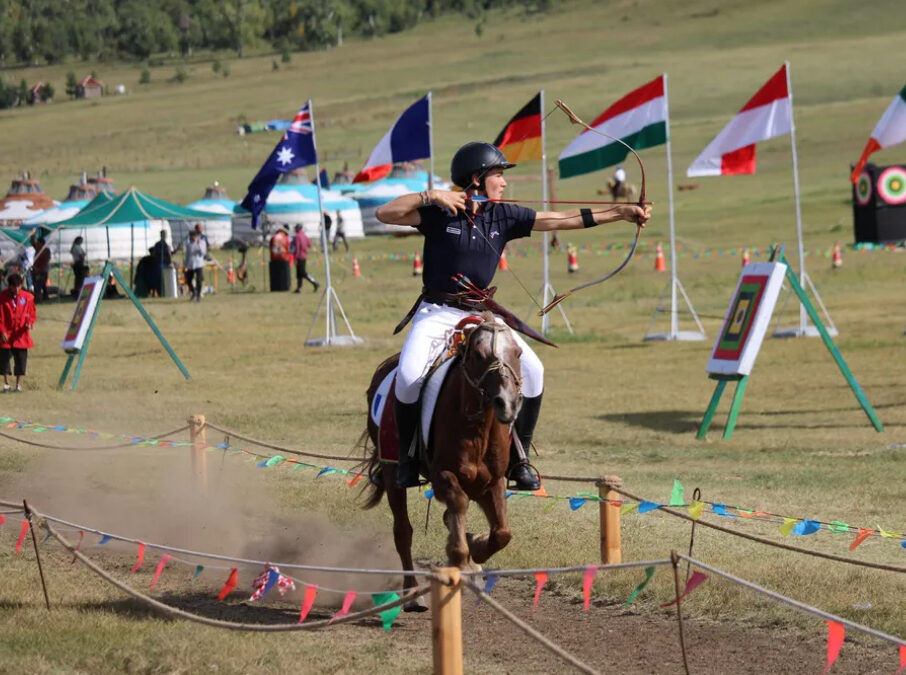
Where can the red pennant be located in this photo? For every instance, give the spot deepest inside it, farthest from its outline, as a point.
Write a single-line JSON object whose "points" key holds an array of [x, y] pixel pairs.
{"points": [[81, 537], [164, 559], [694, 581], [352, 482], [230, 584], [348, 599], [835, 634], [22, 534], [902, 660], [308, 601], [140, 558], [541, 579], [586, 585], [2, 519], [862, 536]]}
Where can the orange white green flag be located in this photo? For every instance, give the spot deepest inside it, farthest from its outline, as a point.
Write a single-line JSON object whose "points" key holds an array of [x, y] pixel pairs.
{"points": [[890, 130], [766, 115]]}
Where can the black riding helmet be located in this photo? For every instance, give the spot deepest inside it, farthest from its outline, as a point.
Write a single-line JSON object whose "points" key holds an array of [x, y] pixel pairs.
{"points": [[476, 157]]}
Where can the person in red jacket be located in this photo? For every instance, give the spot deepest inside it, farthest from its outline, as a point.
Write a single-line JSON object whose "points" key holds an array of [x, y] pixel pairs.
{"points": [[17, 316]]}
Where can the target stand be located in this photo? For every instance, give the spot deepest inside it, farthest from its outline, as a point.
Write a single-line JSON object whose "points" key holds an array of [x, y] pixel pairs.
{"points": [[739, 341]]}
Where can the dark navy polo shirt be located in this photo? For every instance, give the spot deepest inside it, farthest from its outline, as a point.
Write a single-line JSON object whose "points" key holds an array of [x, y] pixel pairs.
{"points": [[452, 246]]}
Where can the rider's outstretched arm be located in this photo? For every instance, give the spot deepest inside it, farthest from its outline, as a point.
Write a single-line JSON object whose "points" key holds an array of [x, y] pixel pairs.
{"points": [[576, 219]]}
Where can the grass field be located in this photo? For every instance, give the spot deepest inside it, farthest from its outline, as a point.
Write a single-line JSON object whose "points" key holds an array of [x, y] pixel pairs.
{"points": [[613, 404]]}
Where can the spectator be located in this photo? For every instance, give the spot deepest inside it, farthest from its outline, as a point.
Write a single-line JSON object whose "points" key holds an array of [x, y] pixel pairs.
{"points": [[328, 223], [199, 228], [299, 247], [161, 250], [26, 260], [17, 316], [162, 258], [194, 264], [41, 269], [79, 267], [340, 233]]}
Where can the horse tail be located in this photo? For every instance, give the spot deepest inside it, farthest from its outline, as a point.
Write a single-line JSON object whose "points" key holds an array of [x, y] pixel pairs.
{"points": [[371, 468]]}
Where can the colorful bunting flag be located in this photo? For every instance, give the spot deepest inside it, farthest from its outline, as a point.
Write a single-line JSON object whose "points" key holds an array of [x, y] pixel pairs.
{"points": [[788, 525], [902, 651], [78, 545], [721, 510], [645, 507], [269, 578], [230, 585], [352, 482], [587, 582], [22, 532], [388, 616], [695, 580], [140, 557], [104, 539], [862, 536], [839, 527], [695, 509], [198, 570], [835, 635], [348, 599], [649, 572], [540, 579], [575, 503], [628, 508], [2, 519], [676, 495], [308, 600], [806, 526], [160, 568]]}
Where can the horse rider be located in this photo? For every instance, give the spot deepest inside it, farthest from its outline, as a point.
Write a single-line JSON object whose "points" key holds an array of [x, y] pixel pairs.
{"points": [[617, 182], [466, 236]]}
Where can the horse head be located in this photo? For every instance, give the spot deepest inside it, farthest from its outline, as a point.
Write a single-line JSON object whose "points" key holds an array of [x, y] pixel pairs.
{"points": [[490, 364]]}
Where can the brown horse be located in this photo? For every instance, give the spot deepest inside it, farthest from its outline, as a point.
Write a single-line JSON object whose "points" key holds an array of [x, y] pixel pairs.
{"points": [[468, 447]]}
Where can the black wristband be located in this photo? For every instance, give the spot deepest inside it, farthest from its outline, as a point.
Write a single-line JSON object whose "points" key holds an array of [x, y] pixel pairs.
{"points": [[588, 220]]}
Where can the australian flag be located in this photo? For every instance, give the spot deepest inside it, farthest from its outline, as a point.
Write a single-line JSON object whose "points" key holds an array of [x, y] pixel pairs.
{"points": [[295, 150]]}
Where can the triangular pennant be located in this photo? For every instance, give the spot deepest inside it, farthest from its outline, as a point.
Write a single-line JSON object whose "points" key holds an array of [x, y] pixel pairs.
{"points": [[198, 570], [230, 585], [902, 651], [348, 599], [628, 508], [862, 536], [308, 600], [23, 530], [788, 525], [160, 568], [540, 579], [645, 507], [695, 509], [694, 581], [649, 572], [575, 503], [835, 635], [78, 544], [388, 616], [676, 495], [587, 582], [139, 557]]}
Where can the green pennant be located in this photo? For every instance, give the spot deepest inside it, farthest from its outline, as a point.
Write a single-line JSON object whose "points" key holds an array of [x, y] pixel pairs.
{"points": [[676, 495], [275, 460], [388, 616], [649, 572], [839, 527], [198, 570]]}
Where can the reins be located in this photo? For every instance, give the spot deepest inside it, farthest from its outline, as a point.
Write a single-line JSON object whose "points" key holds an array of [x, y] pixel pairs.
{"points": [[496, 365]]}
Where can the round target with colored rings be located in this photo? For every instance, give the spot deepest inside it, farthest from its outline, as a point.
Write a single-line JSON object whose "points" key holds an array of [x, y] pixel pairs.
{"points": [[892, 185], [863, 189]]}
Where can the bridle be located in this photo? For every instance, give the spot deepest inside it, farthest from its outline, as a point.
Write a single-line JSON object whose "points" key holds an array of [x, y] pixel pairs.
{"points": [[496, 365]]}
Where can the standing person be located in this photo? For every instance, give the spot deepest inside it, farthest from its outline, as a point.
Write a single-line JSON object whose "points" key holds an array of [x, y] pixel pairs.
{"points": [[466, 237], [299, 247], [194, 264], [26, 260], [41, 269], [281, 258], [199, 228], [161, 258], [617, 182], [340, 233], [79, 268], [17, 316], [328, 223]]}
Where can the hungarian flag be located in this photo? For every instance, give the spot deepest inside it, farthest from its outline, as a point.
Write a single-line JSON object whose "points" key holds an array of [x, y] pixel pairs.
{"points": [[639, 119], [767, 114], [520, 139], [890, 130], [409, 138]]}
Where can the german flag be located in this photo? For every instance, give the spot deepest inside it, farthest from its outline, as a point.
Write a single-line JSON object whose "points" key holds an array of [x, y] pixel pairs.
{"points": [[520, 139]]}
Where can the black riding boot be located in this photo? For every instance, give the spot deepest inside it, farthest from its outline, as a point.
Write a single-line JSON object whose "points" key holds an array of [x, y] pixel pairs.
{"points": [[519, 471], [406, 415]]}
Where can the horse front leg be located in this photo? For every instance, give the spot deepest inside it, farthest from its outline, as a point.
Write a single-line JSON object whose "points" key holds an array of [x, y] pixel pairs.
{"points": [[449, 491], [402, 533], [493, 504]]}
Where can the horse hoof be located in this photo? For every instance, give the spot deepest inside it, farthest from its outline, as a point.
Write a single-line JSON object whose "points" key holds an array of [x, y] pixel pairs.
{"points": [[417, 605]]}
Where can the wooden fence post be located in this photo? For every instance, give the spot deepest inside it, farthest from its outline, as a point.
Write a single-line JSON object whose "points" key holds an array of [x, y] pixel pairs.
{"points": [[446, 621], [611, 549], [198, 437]]}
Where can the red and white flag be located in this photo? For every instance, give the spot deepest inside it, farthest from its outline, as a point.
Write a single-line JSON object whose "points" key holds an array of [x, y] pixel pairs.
{"points": [[890, 130], [767, 114]]}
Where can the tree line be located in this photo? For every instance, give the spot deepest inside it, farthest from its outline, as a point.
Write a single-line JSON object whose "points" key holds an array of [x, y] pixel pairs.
{"points": [[52, 31]]}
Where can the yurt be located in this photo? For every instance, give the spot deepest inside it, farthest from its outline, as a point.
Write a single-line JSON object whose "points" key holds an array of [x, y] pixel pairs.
{"points": [[24, 200], [294, 201], [219, 229], [385, 190], [80, 194]]}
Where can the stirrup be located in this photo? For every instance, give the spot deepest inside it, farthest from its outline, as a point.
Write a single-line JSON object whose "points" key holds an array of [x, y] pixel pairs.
{"points": [[536, 475]]}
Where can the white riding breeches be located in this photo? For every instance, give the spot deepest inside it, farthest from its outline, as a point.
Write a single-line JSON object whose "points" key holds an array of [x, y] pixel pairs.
{"points": [[431, 326]]}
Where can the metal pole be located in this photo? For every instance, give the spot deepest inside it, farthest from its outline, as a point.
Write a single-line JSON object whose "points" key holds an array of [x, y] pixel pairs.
{"points": [[328, 291], [431, 142], [545, 243], [802, 274], [673, 274]]}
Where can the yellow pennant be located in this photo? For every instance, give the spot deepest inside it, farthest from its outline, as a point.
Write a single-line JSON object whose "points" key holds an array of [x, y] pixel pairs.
{"points": [[695, 509], [788, 525]]}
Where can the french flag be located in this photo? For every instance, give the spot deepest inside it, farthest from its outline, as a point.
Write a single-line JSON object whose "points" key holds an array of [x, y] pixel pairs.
{"points": [[408, 139]]}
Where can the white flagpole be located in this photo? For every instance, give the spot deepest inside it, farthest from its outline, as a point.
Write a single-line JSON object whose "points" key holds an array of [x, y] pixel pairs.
{"points": [[802, 274], [673, 274], [430, 141], [545, 242], [331, 331]]}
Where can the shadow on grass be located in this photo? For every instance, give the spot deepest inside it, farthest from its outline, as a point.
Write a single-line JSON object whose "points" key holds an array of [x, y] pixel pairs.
{"points": [[674, 421], [207, 606]]}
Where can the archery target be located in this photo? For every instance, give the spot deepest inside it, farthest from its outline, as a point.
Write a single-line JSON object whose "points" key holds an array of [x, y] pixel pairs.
{"points": [[863, 189], [892, 185]]}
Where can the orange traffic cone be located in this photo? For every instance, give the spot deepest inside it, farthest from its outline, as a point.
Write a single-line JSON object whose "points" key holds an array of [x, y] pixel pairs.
{"points": [[572, 259], [231, 274], [746, 258], [837, 260], [356, 270], [659, 264], [417, 264], [503, 264]]}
